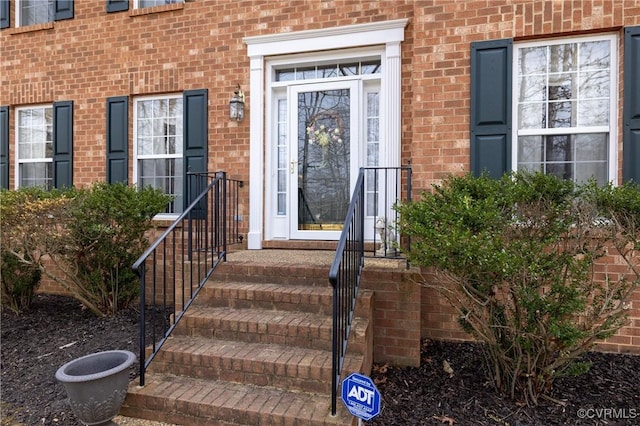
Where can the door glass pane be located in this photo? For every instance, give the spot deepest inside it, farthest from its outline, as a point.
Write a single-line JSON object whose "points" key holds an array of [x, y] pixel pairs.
{"points": [[323, 159]]}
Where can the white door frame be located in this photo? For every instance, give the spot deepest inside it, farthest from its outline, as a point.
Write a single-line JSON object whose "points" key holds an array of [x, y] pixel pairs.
{"points": [[387, 33], [354, 142]]}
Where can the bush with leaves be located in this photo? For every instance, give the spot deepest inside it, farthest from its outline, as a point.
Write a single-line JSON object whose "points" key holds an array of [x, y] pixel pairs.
{"points": [[518, 258], [84, 239], [28, 223], [19, 282]]}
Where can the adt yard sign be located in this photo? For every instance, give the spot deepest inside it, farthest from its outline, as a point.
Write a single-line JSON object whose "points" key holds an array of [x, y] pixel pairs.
{"points": [[361, 396]]}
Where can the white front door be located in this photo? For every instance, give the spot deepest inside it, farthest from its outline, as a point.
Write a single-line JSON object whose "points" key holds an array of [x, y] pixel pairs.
{"points": [[324, 152]]}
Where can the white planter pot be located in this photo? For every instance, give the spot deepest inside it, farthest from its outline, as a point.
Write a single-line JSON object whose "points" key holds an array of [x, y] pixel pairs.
{"points": [[96, 384]]}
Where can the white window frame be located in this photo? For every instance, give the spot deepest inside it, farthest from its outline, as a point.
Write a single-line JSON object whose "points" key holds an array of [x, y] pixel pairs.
{"points": [[50, 12], [20, 161], [611, 129], [136, 3], [137, 157]]}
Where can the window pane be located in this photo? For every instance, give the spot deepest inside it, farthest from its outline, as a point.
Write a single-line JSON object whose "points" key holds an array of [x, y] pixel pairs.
{"points": [[563, 57], [36, 174], [591, 147], [560, 170], [349, 69], [594, 84], [586, 171], [532, 60], [35, 12], [595, 55], [532, 88], [370, 67], [559, 148], [532, 116], [150, 3], [282, 209], [594, 113], [286, 75], [561, 114], [305, 73], [327, 71], [166, 175], [561, 86], [530, 149]]}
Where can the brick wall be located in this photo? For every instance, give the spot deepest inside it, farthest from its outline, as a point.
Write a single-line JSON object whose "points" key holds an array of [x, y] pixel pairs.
{"points": [[437, 117], [198, 44]]}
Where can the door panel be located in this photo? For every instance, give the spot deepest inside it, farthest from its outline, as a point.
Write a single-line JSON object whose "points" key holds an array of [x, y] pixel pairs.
{"points": [[324, 157]]}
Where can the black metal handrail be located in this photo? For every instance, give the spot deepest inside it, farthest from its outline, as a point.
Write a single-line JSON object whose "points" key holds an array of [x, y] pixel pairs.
{"points": [[177, 265], [377, 191], [344, 276], [385, 187]]}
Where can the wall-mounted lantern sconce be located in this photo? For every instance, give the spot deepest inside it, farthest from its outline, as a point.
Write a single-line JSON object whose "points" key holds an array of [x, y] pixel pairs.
{"points": [[236, 105]]}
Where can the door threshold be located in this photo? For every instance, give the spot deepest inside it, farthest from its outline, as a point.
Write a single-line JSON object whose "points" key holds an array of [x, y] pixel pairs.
{"points": [[300, 244]]}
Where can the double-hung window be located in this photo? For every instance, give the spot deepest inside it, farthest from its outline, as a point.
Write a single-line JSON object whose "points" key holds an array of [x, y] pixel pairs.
{"points": [[159, 146], [35, 147], [150, 3], [565, 108], [32, 12]]}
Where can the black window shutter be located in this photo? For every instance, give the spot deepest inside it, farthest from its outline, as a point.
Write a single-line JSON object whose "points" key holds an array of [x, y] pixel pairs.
{"points": [[4, 147], [631, 108], [118, 139], [117, 5], [491, 63], [63, 144], [4, 14], [195, 113], [63, 9]]}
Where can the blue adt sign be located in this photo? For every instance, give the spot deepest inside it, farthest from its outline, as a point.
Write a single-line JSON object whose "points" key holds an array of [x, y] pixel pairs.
{"points": [[361, 396]]}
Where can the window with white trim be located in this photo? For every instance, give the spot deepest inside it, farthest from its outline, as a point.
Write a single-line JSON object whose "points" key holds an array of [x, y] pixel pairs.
{"points": [[34, 135], [139, 4], [158, 138], [32, 12], [565, 107]]}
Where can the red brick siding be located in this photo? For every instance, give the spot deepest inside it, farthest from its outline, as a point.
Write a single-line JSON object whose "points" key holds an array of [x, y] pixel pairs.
{"points": [[199, 44]]}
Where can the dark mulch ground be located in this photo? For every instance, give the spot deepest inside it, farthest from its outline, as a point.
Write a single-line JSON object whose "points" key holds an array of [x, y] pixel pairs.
{"points": [[57, 330], [35, 344], [427, 395]]}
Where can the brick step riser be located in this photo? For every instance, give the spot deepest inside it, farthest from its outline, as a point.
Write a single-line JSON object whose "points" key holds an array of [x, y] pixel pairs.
{"points": [[198, 403], [276, 300], [309, 337], [208, 415], [282, 275]]}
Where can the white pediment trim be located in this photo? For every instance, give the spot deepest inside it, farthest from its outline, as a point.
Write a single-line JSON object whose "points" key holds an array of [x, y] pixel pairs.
{"points": [[327, 38]]}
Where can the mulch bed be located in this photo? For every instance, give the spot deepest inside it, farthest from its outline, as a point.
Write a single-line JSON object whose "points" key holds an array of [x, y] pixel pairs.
{"points": [[57, 329], [609, 394]]}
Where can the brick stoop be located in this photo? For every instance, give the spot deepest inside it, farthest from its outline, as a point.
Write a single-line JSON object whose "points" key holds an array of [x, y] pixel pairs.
{"points": [[254, 349]]}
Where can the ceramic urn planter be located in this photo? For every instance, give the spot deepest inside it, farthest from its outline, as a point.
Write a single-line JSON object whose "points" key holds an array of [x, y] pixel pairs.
{"points": [[96, 384]]}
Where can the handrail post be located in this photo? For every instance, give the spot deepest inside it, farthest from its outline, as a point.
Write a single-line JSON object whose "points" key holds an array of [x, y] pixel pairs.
{"points": [[143, 319]]}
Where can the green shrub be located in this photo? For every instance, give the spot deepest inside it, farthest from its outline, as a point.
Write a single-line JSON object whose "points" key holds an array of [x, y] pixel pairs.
{"points": [[27, 224], [19, 282], [517, 259], [107, 229], [84, 239]]}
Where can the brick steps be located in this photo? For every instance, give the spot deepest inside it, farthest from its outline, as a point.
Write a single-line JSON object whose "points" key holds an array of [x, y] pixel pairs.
{"points": [[254, 349], [245, 295], [258, 364], [189, 401]]}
